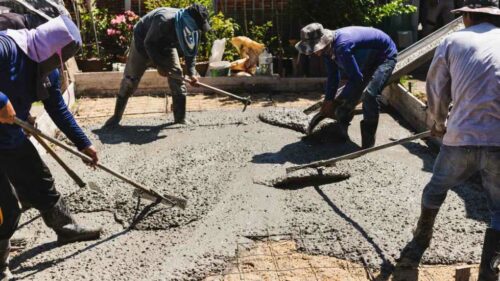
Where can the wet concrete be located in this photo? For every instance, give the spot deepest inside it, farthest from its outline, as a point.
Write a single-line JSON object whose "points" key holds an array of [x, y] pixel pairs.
{"points": [[213, 164]]}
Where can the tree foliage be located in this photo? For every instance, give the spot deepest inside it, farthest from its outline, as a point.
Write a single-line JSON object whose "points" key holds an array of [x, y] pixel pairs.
{"points": [[338, 13]]}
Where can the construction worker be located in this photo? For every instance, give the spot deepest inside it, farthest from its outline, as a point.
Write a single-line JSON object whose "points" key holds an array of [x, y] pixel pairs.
{"points": [[465, 72], [32, 56], [157, 36], [437, 14], [367, 57]]}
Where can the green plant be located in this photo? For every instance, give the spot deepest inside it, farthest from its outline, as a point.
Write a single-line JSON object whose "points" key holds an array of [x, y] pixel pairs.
{"points": [[89, 19], [397, 7], [338, 13], [153, 4], [222, 27]]}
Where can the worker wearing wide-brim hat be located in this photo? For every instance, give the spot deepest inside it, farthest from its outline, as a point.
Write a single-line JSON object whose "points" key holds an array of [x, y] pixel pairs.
{"points": [[366, 57], [465, 71], [158, 38]]}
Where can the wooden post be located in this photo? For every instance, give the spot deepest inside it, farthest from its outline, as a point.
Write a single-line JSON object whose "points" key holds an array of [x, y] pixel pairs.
{"points": [[463, 273]]}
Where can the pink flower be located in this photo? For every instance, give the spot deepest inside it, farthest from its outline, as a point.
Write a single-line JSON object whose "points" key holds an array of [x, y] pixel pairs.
{"points": [[111, 32], [113, 21], [120, 18]]}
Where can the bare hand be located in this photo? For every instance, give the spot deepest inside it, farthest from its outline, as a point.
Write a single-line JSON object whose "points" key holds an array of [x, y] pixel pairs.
{"points": [[327, 109], [194, 81], [438, 131], [92, 153], [7, 114]]}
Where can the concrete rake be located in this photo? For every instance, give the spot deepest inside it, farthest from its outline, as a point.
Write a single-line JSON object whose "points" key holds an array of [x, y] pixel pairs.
{"points": [[323, 172], [141, 190]]}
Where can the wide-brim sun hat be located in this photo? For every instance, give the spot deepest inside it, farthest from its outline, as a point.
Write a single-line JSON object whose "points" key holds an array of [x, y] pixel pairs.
{"points": [[313, 38], [480, 6]]}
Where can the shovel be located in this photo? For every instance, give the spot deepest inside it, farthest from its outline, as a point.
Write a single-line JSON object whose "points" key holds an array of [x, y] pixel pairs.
{"points": [[331, 162], [165, 199]]}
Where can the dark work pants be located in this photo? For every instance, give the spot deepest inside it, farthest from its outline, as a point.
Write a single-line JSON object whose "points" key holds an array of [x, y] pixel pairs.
{"points": [[370, 92], [23, 177]]}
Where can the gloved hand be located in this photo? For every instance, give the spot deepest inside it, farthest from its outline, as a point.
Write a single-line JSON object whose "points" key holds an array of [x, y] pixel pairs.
{"points": [[92, 153], [194, 81], [7, 114], [327, 109], [438, 131]]}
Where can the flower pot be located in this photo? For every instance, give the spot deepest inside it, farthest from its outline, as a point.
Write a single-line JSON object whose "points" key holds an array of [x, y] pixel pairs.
{"points": [[91, 65]]}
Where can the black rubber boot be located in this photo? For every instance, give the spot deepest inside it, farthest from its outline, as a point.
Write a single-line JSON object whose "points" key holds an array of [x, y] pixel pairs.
{"points": [[490, 259], [368, 133], [343, 131], [179, 108], [121, 103], [413, 252], [5, 274], [68, 231]]}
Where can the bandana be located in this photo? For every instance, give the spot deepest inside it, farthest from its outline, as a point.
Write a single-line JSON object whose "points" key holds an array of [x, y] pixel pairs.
{"points": [[187, 32]]}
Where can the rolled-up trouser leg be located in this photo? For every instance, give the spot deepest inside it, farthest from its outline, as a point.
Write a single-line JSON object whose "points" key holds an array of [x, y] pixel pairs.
{"points": [[371, 101], [134, 70], [177, 87]]}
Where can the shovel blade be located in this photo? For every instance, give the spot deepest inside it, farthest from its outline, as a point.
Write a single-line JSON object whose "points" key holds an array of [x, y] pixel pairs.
{"points": [[168, 200]]}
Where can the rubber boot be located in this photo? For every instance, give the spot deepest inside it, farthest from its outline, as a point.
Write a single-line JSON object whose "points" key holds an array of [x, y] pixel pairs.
{"points": [[490, 259], [121, 103], [343, 131], [5, 274], [368, 132], [68, 231], [413, 252], [179, 108]]}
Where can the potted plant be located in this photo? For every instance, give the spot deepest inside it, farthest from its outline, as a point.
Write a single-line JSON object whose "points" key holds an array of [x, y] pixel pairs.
{"points": [[120, 32], [93, 25]]}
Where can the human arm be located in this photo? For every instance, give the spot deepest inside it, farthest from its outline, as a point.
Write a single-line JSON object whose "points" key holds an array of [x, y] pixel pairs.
{"points": [[439, 89], [64, 120]]}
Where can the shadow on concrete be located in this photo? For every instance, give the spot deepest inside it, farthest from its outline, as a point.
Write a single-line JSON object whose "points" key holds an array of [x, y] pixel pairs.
{"points": [[132, 134], [16, 262], [303, 152], [359, 228]]}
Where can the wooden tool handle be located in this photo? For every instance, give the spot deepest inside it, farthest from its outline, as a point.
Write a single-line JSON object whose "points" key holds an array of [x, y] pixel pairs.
{"points": [[330, 162], [56, 157], [166, 198]]}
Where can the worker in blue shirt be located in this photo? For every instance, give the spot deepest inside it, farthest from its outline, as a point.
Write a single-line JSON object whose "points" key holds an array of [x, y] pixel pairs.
{"points": [[27, 76], [366, 57]]}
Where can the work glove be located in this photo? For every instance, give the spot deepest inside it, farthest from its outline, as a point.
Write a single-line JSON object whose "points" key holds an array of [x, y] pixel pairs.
{"points": [[438, 131], [7, 114], [327, 109], [194, 81], [91, 152]]}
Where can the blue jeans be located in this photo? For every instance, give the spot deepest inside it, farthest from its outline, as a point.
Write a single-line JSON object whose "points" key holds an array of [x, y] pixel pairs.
{"points": [[454, 165], [371, 97]]}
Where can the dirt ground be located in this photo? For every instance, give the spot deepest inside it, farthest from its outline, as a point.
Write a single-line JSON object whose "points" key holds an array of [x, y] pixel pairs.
{"points": [[225, 232]]}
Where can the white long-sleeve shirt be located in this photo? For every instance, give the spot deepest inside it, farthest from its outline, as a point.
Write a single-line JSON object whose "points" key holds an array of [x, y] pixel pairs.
{"points": [[465, 71]]}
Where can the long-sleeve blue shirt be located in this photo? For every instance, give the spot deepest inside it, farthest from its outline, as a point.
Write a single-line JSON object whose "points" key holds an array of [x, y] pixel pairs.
{"points": [[357, 52], [17, 85]]}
